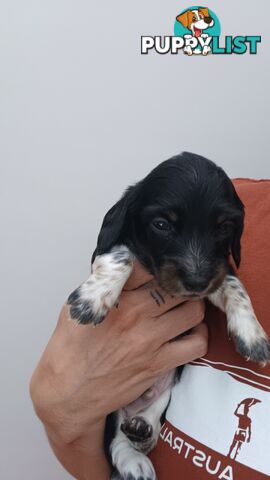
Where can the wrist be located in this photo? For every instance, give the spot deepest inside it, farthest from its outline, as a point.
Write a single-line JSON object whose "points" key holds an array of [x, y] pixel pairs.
{"points": [[84, 458], [90, 440], [64, 421]]}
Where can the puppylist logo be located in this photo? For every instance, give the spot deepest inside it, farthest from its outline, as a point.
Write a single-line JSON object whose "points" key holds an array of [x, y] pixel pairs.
{"points": [[197, 32]]}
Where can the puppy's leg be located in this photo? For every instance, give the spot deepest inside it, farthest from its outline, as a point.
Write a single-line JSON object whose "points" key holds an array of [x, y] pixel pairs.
{"points": [[206, 47], [250, 339], [91, 302], [188, 50], [143, 429], [136, 436], [130, 463]]}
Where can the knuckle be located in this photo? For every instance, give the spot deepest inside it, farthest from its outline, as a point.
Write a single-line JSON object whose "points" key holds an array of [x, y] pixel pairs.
{"points": [[194, 313], [156, 368], [196, 319], [201, 346], [128, 315], [131, 306], [199, 311], [156, 364]]}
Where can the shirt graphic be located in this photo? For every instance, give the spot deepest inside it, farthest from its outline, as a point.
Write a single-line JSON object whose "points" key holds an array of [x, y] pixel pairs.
{"points": [[243, 431], [226, 408]]}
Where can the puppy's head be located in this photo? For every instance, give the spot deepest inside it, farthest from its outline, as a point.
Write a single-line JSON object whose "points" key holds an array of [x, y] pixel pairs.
{"points": [[196, 20], [182, 222]]}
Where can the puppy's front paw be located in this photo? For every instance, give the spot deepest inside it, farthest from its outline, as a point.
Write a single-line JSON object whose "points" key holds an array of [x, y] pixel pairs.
{"points": [[249, 337], [137, 467], [92, 301], [258, 351], [188, 51], [84, 308], [206, 50]]}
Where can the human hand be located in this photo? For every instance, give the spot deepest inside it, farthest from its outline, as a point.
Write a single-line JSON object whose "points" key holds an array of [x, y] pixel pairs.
{"points": [[86, 373]]}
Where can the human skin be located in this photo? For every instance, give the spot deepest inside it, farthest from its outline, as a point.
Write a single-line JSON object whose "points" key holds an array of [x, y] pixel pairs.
{"points": [[85, 373]]}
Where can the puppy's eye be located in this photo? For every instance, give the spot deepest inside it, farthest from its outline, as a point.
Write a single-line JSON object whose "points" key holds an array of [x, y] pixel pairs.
{"points": [[194, 19], [225, 228], [161, 224]]}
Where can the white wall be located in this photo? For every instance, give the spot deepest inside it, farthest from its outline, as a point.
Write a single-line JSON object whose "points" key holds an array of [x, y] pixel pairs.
{"points": [[82, 115]]}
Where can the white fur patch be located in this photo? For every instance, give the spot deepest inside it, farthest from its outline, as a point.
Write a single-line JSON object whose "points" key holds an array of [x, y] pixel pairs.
{"points": [[196, 13], [232, 298], [107, 279], [131, 463], [100, 293]]}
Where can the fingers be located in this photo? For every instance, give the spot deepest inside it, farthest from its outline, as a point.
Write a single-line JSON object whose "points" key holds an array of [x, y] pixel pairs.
{"points": [[184, 350], [149, 300], [139, 277], [179, 320]]}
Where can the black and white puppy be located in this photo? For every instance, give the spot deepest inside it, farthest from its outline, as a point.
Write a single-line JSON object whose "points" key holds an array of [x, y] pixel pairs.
{"points": [[183, 222]]}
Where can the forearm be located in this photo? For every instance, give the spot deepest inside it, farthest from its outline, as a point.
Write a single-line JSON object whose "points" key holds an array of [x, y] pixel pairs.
{"points": [[78, 445], [84, 458]]}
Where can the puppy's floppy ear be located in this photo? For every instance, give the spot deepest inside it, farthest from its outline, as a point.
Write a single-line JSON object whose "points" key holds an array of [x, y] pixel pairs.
{"points": [[113, 224], [184, 18], [238, 230], [204, 11]]}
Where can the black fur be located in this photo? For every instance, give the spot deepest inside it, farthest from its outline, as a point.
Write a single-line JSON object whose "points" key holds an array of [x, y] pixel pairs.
{"points": [[203, 213]]}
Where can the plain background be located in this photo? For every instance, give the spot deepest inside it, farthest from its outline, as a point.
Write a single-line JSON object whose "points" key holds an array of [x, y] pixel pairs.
{"points": [[83, 115]]}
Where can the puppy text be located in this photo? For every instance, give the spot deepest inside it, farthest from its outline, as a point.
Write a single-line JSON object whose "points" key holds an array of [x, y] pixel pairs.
{"points": [[200, 45]]}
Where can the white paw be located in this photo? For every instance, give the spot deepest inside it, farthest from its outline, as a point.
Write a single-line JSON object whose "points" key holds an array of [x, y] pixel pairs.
{"points": [[91, 302], [206, 50], [188, 50], [136, 466], [249, 337]]}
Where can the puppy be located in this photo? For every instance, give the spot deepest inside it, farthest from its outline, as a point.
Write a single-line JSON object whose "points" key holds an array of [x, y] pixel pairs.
{"points": [[184, 223], [196, 20]]}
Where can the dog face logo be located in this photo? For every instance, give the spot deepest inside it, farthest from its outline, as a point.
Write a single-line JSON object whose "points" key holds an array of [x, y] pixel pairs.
{"points": [[195, 23], [196, 20]]}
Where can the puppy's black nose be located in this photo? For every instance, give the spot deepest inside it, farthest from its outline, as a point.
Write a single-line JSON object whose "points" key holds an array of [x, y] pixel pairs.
{"points": [[197, 286], [208, 20]]}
